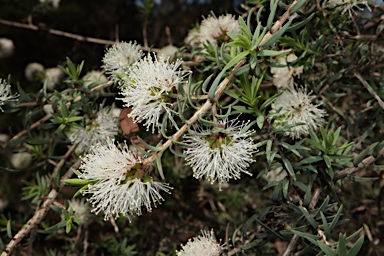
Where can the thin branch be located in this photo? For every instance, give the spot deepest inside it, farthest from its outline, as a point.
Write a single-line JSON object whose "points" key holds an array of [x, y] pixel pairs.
{"points": [[369, 88], [291, 246], [203, 109], [67, 34], [26, 104], [351, 170], [60, 164], [39, 214], [48, 116], [220, 89], [279, 23]]}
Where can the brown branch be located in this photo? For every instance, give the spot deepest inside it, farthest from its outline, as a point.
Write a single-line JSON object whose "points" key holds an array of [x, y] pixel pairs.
{"points": [[60, 164], [369, 88], [48, 116], [26, 104], [67, 34], [279, 23], [291, 246], [39, 214], [351, 170], [203, 109]]}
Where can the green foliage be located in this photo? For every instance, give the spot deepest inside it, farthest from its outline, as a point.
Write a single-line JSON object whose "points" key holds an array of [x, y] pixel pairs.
{"points": [[72, 71], [120, 247], [36, 191]]}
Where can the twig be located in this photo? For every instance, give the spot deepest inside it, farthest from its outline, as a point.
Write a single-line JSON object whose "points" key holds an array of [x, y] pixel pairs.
{"points": [[208, 104], [279, 23], [203, 109], [291, 245], [351, 170], [39, 214], [312, 204], [369, 88], [60, 164], [236, 250], [48, 116], [67, 34], [26, 104]]}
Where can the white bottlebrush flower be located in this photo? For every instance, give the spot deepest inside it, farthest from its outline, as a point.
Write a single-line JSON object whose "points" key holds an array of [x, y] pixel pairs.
{"points": [[118, 59], [98, 130], [54, 3], [167, 51], [6, 48], [32, 70], [193, 38], [204, 244], [119, 186], [94, 76], [21, 160], [283, 76], [346, 5], [215, 29], [5, 93], [296, 107], [221, 156], [52, 77], [81, 210], [147, 88]]}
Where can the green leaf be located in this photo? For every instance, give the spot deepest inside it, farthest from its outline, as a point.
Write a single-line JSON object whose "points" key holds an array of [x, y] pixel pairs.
{"points": [[356, 247], [68, 226], [304, 235], [150, 147], [353, 236], [310, 219], [276, 35], [160, 166], [336, 218], [301, 23], [325, 248], [325, 226], [234, 61], [273, 6], [289, 168], [265, 53], [78, 192], [260, 121], [310, 160], [9, 229], [76, 182], [341, 246], [297, 6]]}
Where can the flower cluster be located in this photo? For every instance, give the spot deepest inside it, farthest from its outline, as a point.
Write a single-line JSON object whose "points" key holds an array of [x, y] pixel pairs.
{"points": [[6, 48], [283, 76], [5, 93], [223, 154], [294, 111], [33, 71], [99, 130], [204, 244], [148, 87], [82, 210], [52, 77], [346, 5], [118, 185], [118, 59], [54, 3], [94, 76], [215, 29]]}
